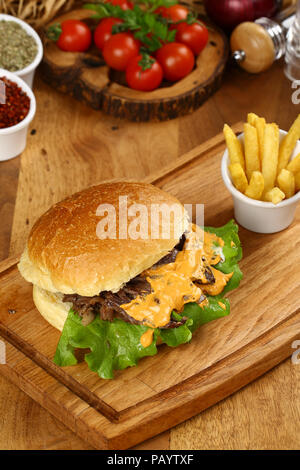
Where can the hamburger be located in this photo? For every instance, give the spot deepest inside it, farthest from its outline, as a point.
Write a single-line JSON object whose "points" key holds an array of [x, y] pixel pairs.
{"points": [[118, 268]]}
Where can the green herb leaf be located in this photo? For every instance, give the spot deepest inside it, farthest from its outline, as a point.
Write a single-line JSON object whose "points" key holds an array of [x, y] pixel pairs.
{"points": [[105, 10], [154, 4], [146, 25], [171, 36]]}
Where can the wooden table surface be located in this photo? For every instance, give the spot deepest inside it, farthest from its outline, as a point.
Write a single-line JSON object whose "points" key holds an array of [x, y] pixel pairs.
{"points": [[263, 415]]}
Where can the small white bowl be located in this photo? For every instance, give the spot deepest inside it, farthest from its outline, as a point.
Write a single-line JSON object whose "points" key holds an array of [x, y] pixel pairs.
{"points": [[13, 139], [27, 74], [258, 216]]}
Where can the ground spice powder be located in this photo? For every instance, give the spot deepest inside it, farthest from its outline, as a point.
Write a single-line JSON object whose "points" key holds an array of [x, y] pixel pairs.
{"points": [[17, 48], [16, 106]]}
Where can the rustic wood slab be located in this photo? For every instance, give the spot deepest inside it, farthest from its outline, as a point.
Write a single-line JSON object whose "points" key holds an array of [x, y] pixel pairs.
{"points": [[86, 77], [176, 384]]}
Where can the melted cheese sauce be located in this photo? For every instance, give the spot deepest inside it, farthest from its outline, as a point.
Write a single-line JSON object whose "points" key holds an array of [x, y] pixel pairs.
{"points": [[218, 286], [172, 284], [147, 338], [222, 305]]}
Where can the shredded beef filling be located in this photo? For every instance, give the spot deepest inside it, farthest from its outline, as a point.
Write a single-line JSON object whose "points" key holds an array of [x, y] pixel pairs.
{"points": [[107, 304]]}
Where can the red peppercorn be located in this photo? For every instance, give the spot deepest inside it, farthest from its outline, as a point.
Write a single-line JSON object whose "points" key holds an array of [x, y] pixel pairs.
{"points": [[16, 106]]}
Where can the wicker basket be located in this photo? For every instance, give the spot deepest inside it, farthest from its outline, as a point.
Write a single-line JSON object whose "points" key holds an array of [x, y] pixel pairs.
{"points": [[35, 12]]}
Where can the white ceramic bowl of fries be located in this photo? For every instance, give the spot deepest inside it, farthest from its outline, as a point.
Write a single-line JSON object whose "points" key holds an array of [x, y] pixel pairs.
{"points": [[257, 215]]}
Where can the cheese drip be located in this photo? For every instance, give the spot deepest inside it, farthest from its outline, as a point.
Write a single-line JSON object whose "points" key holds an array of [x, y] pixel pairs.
{"points": [[147, 338], [172, 284]]}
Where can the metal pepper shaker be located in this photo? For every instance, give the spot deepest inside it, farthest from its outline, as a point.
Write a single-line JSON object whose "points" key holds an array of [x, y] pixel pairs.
{"points": [[292, 56], [256, 45]]}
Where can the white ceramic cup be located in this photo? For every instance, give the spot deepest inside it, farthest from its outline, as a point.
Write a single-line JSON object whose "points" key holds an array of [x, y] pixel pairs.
{"points": [[13, 139], [27, 74], [258, 216]]}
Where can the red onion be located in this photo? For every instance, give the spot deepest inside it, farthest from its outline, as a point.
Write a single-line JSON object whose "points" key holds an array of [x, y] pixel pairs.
{"points": [[229, 13]]}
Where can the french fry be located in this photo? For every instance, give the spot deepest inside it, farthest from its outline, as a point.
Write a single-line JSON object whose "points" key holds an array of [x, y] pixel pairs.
{"points": [[266, 160], [260, 125], [256, 185], [274, 195], [297, 181], [251, 150], [286, 182], [288, 144], [234, 146], [294, 165], [238, 177], [252, 118], [270, 155]]}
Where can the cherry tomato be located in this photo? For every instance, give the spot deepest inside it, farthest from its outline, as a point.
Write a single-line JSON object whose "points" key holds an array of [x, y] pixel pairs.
{"points": [[75, 36], [174, 13], [193, 35], [119, 49], [177, 60], [143, 80], [124, 4], [103, 31]]}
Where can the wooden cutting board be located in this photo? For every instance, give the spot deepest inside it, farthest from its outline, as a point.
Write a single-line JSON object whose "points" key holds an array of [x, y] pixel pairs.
{"points": [[87, 78], [178, 383]]}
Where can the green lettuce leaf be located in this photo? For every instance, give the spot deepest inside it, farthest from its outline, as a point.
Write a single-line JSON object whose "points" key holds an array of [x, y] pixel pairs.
{"points": [[113, 345], [232, 252], [176, 336], [211, 312], [116, 345]]}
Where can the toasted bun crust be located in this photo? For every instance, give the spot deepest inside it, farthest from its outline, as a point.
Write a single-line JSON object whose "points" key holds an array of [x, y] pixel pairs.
{"points": [[65, 254]]}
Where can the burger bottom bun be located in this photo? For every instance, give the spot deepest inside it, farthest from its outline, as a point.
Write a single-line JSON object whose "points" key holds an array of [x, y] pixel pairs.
{"points": [[52, 308]]}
